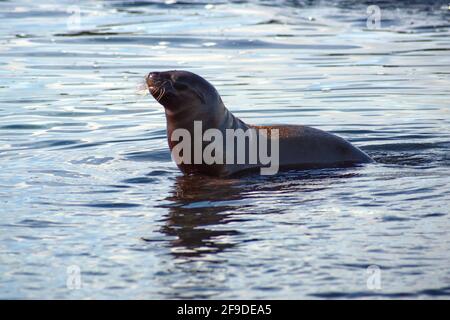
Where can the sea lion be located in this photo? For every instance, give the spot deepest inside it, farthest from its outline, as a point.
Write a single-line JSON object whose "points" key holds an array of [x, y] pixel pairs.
{"points": [[189, 99]]}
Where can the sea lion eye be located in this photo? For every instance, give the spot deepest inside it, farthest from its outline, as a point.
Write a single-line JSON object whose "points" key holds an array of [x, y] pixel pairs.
{"points": [[180, 86]]}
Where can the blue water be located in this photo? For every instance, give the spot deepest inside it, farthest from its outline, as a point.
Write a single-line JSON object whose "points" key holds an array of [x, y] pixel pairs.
{"points": [[86, 177]]}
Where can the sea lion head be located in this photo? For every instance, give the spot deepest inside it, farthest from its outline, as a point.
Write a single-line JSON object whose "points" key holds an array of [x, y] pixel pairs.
{"points": [[179, 90]]}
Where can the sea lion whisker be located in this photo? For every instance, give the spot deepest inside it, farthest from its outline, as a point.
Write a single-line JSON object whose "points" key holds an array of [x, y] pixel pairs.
{"points": [[163, 92], [154, 88], [160, 90]]}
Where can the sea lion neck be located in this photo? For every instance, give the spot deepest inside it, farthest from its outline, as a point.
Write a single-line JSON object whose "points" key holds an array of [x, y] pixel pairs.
{"points": [[215, 116], [183, 117]]}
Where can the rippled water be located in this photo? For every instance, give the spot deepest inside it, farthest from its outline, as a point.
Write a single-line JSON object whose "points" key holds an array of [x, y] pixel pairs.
{"points": [[87, 178]]}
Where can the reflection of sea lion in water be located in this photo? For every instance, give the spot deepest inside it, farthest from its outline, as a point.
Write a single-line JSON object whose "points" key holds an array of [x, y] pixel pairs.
{"points": [[188, 97]]}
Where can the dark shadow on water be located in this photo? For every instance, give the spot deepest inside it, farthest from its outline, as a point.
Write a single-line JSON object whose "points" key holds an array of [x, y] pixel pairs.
{"points": [[201, 207], [208, 216], [199, 213]]}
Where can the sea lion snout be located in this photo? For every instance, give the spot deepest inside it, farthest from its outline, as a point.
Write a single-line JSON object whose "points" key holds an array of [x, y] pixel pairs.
{"points": [[159, 84], [153, 79], [153, 74]]}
